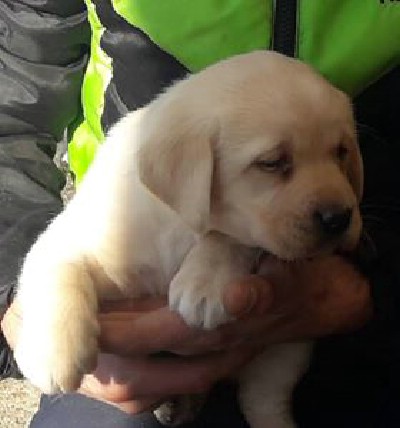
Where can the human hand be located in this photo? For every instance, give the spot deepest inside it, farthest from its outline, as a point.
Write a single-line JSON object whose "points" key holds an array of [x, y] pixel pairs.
{"points": [[292, 302], [308, 300], [134, 381]]}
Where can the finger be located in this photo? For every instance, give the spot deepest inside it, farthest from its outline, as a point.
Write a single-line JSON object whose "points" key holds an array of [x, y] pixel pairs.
{"points": [[143, 304], [251, 296], [208, 341], [132, 406], [342, 306], [135, 379], [129, 333], [190, 375]]}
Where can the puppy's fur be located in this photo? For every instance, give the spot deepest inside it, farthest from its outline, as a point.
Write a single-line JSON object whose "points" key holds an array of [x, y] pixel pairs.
{"points": [[180, 199]]}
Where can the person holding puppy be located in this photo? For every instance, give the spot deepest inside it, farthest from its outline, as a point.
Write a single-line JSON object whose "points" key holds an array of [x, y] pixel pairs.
{"points": [[135, 54]]}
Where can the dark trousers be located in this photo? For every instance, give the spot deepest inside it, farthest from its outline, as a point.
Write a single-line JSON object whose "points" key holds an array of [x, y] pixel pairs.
{"points": [[77, 411], [341, 409]]}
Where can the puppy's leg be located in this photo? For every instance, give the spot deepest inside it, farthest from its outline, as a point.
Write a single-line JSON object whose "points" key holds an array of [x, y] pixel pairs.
{"points": [[57, 343], [196, 291], [266, 385], [180, 410]]}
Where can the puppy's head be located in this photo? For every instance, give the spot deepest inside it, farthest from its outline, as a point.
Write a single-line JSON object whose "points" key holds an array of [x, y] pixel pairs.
{"points": [[259, 147]]}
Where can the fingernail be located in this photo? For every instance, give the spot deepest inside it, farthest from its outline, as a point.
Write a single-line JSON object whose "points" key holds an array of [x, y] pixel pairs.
{"points": [[246, 303], [259, 298]]}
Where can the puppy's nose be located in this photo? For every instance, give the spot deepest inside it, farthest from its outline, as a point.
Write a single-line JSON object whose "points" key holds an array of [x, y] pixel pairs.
{"points": [[333, 221]]}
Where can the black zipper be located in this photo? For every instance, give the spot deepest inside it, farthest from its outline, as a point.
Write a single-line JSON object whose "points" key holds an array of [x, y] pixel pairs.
{"points": [[285, 27]]}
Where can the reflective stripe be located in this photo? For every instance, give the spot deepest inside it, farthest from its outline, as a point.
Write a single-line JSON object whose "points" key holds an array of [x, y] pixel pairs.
{"points": [[89, 134], [201, 32], [351, 42]]}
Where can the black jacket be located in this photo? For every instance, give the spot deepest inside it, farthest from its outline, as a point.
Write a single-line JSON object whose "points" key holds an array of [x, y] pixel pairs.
{"points": [[43, 54]]}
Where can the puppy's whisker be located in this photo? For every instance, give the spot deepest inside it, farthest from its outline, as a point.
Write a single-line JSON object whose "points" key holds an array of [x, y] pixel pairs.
{"points": [[379, 210], [387, 207], [373, 218], [367, 244]]}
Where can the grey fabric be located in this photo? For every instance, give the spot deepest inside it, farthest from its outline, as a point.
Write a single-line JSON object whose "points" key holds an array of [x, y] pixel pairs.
{"points": [[43, 54]]}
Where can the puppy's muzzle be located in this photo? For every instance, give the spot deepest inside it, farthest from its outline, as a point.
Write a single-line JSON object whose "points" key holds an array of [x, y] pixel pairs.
{"points": [[333, 221]]}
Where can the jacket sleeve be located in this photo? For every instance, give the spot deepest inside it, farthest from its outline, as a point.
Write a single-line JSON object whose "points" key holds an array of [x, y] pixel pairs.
{"points": [[43, 53]]}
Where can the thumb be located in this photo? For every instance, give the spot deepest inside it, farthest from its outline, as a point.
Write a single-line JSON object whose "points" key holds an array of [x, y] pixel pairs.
{"points": [[251, 296]]}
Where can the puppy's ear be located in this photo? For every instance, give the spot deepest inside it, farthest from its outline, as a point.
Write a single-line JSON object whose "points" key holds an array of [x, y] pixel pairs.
{"points": [[176, 165], [356, 171]]}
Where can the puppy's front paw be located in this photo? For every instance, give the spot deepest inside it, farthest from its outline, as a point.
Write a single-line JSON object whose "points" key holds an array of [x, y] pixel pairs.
{"points": [[57, 343], [198, 299], [196, 291], [180, 410], [54, 355]]}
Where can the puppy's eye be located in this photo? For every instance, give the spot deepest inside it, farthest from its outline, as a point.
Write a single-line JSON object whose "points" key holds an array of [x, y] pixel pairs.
{"points": [[341, 152], [281, 164]]}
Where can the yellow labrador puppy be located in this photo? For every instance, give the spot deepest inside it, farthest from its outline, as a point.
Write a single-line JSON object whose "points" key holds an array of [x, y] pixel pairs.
{"points": [[255, 152]]}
